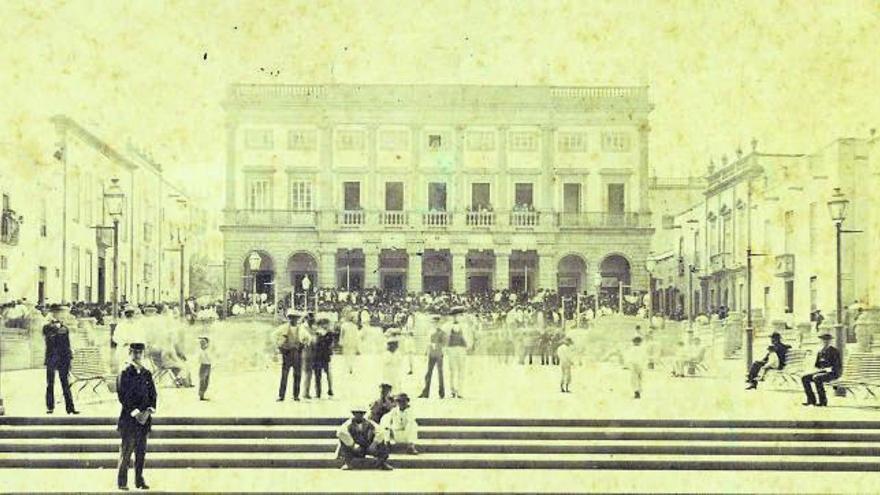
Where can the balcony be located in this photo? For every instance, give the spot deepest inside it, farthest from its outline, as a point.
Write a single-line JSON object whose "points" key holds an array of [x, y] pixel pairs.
{"points": [[285, 218], [785, 265], [525, 219], [350, 218], [480, 218], [719, 262], [603, 220], [10, 224], [393, 218], [439, 219], [104, 237]]}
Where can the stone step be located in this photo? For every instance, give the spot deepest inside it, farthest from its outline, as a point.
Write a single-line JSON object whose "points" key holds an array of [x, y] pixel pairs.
{"points": [[458, 461]]}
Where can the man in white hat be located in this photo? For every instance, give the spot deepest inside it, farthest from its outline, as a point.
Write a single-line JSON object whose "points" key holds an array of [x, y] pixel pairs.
{"points": [[359, 438]]}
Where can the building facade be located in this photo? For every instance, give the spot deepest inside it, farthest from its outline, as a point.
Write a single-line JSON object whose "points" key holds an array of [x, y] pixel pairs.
{"points": [[435, 188], [776, 206]]}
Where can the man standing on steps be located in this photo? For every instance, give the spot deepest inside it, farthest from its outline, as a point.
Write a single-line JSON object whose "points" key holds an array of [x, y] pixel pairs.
{"points": [[828, 368], [57, 359], [288, 341], [137, 395], [435, 358]]}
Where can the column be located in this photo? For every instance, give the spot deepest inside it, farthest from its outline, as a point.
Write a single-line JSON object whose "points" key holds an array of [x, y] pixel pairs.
{"points": [[548, 157], [414, 272], [327, 269], [502, 270], [231, 186], [373, 194], [371, 268], [325, 195], [546, 271], [502, 199], [644, 172], [459, 270]]}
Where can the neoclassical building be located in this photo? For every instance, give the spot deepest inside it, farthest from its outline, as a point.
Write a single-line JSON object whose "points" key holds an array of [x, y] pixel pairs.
{"points": [[429, 188]]}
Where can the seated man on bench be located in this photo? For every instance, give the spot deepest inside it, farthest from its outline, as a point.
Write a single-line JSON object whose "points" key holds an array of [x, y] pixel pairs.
{"points": [[773, 360], [358, 438]]}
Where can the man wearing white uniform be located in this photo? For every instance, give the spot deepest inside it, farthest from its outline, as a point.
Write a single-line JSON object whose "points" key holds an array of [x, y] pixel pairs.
{"points": [[456, 350], [350, 339], [400, 427]]}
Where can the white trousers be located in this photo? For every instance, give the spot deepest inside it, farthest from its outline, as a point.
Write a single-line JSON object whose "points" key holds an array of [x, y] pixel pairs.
{"points": [[455, 357]]}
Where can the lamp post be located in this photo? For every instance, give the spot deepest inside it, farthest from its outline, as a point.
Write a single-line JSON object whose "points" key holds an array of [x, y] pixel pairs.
{"points": [[650, 266], [837, 207], [750, 329], [254, 263], [306, 285], [114, 200]]}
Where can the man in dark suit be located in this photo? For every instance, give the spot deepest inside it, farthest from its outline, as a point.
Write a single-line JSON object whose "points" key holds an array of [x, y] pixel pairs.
{"points": [[774, 359], [435, 358], [290, 346], [137, 394], [828, 368], [57, 359]]}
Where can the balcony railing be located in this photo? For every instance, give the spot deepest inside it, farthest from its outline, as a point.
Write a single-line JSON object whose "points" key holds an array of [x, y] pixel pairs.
{"points": [[604, 220], [785, 265], [720, 262], [436, 219], [352, 217], [480, 218], [525, 218], [10, 223], [393, 218]]}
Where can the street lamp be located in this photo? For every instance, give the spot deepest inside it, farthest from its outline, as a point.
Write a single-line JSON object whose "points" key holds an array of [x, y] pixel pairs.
{"points": [[650, 266], [750, 329], [837, 207], [254, 263], [114, 201]]}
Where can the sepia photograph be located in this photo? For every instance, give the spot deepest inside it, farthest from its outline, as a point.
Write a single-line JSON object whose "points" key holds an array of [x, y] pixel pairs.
{"points": [[373, 246]]}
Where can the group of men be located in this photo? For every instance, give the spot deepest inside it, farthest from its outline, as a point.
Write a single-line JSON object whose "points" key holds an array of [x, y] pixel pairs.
{"points": [[306, 347]]}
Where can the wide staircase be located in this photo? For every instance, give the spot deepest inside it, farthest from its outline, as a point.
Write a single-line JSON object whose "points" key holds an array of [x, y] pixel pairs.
{"points": [[180, 443]]}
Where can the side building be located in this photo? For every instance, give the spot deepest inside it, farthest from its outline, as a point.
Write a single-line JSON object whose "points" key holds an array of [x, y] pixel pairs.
{"points": [[437, 188]]}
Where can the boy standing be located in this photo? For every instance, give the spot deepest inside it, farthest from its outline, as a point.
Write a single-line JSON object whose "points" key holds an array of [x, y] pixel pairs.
{"points": [[205, 359], [566, 360]]}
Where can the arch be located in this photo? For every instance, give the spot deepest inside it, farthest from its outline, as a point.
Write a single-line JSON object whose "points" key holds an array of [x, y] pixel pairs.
{"points": [[616, 265], [571, 273], [302, 264], [261, 280]]}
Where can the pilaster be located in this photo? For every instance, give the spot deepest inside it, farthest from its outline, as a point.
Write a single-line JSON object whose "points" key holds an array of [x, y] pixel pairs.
{"points": [[414, 272], [502, 270], [371, 268], [459, 270]]}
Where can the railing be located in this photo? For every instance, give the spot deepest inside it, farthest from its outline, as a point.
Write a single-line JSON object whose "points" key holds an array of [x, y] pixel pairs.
{"points": [[393, 218], [9, 227], [353, 217], [287, 218], [604, 220], [720, 261], [436, 219], [480, 218], [524, 218]]}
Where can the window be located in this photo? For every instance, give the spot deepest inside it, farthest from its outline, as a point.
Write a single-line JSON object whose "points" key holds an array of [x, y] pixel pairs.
{"points": [[349, 140], [571, 198], [301, 196], [437, 196], [523, 141], [258, 139], [148, 232], [668, 221], [148, 272], [4, 263], [480, 198], [615, 141], [616, 198], [393, 139], [74, 198], [788, 224], [481, 140], [394, 196], [6, 203], [789, 296], [572, 142], [89, 279], [434, 142], [43, 217], [301, 140], [351, 192], [259, 194], [523, 195]]}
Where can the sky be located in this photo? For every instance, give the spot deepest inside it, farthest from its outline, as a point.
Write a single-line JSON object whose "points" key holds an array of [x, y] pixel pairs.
{"points": [[793, 74]]}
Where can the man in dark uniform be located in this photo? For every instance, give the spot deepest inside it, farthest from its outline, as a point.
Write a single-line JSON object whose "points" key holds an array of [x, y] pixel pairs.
{"points": [[828, 368], [777, 349], [323, 352], [435, 358], [58, 358], [137, 394]]}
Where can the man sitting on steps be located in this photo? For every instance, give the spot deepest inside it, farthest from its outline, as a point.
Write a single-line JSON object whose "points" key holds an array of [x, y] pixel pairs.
{"points": [[358, 438]]}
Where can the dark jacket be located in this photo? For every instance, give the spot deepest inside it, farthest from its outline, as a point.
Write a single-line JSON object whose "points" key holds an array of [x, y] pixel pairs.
{"points": [[781, 350], [135, 390], [829, 358], [323, 349], [58, 353]]}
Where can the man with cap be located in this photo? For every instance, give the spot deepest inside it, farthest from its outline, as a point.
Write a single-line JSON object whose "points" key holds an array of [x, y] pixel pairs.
{"points": [[773, 360], [828, 368], [287, 339], [57, 359], [435, 358], [137, 395], [360, 437], [205, 358], [323, 352], [400, 427], [381, 406]]}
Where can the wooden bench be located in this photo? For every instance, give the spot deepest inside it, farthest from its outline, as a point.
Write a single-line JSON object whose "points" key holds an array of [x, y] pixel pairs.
{"points": [[860, 370], [88, 367], [794, 367]]}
